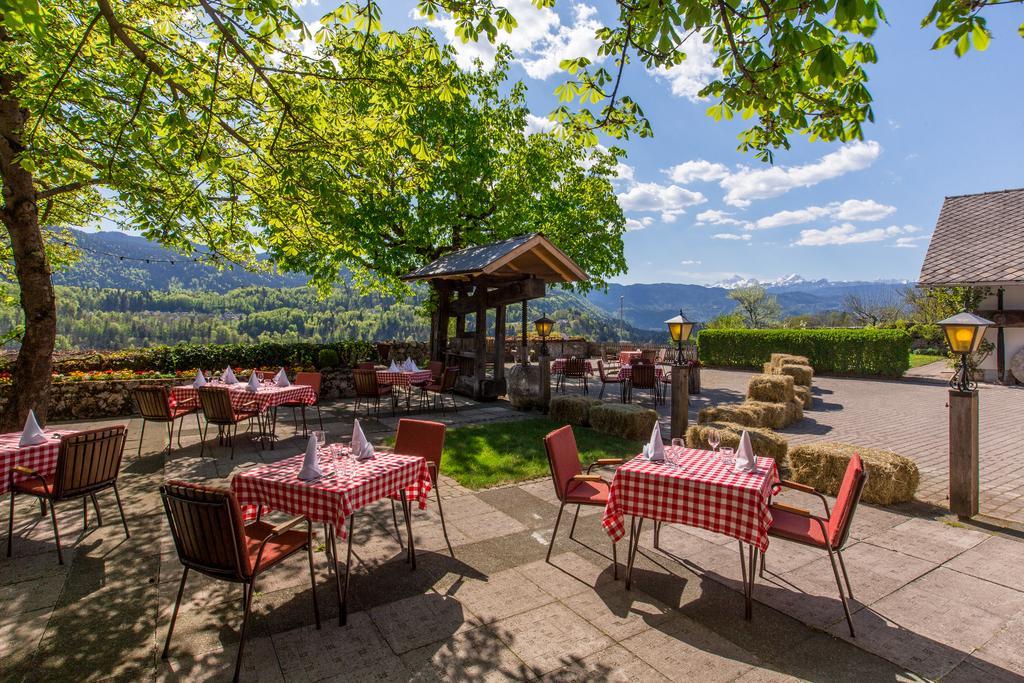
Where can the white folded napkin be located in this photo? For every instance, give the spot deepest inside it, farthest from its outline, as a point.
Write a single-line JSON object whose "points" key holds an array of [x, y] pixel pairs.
{"points": [[228, 376], [362, 449], [281, 378], [310, 463], [655, 448], [745, 459], [32, 434], [394, 367], [200, 379], [410, 364], [254, 382]]}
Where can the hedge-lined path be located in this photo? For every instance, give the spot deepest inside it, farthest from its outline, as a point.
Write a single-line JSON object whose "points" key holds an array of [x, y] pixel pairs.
{"points": [[907, 416], [933, 598]]}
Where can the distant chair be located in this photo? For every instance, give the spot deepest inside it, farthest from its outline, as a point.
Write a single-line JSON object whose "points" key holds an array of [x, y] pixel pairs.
{"points": [[643, 376], [607, 379], [649, 355], [446, 386], [210, 537], [426, 440], [575, 368], [571, 485], [218, 410], [365, 365], [830, 532], [88, 462], [369, 390], [154, 404], [313, 380]]}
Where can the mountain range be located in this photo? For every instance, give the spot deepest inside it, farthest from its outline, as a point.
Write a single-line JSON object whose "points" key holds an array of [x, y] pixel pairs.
{"points": [[114, 260]]}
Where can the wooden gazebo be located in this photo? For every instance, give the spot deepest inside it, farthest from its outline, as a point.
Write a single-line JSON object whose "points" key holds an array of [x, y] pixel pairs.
{"points": [[470, 281]]}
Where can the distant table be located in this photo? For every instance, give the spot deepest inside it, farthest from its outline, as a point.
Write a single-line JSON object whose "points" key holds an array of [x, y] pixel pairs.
{"points": [[558, 366], [404, 379], [42, 457], [627, 357], [267, 398], [626, 371], [701, 491], [335, 498]]}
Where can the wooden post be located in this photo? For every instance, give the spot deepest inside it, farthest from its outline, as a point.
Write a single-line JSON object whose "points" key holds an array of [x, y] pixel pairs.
{"points": [[499, 341], [680, 401], [963, 453], [525, 346], [545, 381], [439, 338], [480, 346]]}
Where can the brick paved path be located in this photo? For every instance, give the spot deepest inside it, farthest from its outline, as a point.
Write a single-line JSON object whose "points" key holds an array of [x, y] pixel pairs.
{"points": [[908, 417]]}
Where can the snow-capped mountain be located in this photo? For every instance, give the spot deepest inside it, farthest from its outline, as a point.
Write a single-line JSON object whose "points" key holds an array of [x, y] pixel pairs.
{"points": [[795, 281]]}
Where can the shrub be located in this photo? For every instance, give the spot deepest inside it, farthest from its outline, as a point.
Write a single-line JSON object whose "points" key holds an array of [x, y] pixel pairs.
{"points": [[328, 358], [801, 374], [766, 443], [627, 421], [573, 410], [803, 394], [892, 478], [770, 388], [841, 351]]}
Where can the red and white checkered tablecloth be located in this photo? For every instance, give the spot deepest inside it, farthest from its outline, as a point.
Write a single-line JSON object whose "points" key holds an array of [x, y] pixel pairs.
{"points": [[626, 357], [626, 371], [42, 458], [403, 379], [702, 491], [558, 366], [330, 500], [268, 395]]}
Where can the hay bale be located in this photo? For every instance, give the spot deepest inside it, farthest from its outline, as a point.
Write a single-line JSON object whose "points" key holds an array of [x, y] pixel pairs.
{"points": [[625, 420], [766, 443], [768, 368], [736, 413], [780, 359], [571, 409], [801, 374], [770, 388], [892, 478], [803, 394], [794, 411]]}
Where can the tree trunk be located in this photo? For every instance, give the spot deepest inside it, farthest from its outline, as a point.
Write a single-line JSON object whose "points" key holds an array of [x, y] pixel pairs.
{"points": [[30, 386]]}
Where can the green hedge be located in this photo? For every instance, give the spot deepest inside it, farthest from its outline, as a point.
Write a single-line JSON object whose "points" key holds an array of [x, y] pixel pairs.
{"points": [[839, 351], [212, 357]]}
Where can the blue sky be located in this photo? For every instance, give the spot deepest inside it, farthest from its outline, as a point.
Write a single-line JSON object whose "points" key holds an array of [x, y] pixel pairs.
{"points": [[701, 212]]}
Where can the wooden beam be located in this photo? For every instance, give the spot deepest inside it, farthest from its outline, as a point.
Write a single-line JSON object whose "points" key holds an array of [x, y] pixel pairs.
{"points": [[1004, 318], [510, 293]]}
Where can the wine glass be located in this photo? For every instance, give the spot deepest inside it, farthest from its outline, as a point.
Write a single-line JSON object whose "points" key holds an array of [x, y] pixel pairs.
{"points": [[714, 438]]}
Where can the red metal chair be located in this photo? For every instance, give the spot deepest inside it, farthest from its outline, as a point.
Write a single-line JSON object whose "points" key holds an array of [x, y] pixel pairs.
{"points": [[315, 381], [425, 439], [87, 463], [571, 485], [154, 404], [209, 536], [369, 389], [439, 389], [644, 376], [218, 410], [575, 368], [607, 379], [829, 532]]}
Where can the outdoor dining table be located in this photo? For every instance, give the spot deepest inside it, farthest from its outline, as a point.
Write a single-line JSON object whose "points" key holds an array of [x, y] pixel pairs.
{"points": [[558, 366], [626, 371], [265, 399], [42, 457], [627, 357], [346, 487], [700, 491], [405, 379]]}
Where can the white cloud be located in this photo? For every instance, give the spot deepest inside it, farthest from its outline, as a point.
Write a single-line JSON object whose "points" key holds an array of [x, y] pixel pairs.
{"points": [[638, 224], [689, 262], [716, 217], [539, 42], [910, 242], [689, 171], [539, 124], [848, 234], [669, 200], [850, 210], [730, 236], [749, 184], [696, 71]]}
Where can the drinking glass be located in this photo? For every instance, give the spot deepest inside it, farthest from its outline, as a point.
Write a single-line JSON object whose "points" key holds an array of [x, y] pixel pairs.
{"points": [[677, 450], [321, 438], [728, 456], [714, 438]]}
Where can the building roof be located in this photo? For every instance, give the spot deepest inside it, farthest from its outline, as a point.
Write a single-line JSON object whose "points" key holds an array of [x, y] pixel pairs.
{"points": [[516, 258], [978, 240]]}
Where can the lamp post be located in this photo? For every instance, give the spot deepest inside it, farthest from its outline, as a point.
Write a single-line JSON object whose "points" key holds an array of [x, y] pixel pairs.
{"points": [[543, 326], [964, 333], [680, 328]]}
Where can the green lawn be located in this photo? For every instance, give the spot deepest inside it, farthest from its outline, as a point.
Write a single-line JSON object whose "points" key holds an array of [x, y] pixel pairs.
{"points": [[478, 456], [919, 359]]}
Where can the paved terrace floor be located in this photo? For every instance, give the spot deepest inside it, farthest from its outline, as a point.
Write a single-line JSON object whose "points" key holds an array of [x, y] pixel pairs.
{"points": [[934, 598]]}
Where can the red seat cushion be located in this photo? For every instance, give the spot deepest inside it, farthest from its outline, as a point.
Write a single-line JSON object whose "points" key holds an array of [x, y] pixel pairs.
{"points": [[33, 486], [276, 549], [796, 528], [587, 492]]}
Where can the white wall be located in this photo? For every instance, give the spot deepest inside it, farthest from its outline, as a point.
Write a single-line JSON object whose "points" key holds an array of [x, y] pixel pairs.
{"points": [[1013, 337]]}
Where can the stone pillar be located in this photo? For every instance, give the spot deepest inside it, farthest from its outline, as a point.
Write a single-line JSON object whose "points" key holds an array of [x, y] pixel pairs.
{"points": [[963, 453], [545, 381], [680, 400]]}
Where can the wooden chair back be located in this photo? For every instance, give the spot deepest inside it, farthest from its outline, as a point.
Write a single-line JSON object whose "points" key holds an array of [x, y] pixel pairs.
{"points": [[600, 372], [421, 438], [436, 368], [642, 376], [450, 377], [216, 405], [153, 402], [575, 367], [365, 365], [649, 355], [88, 461], [312, 379], [563, 458], [206, 525], [366, 383]]}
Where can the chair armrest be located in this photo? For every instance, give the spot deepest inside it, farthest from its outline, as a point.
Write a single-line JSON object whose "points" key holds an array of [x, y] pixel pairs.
{"points": [[791, 509], [804, 488], [588, 477], [29, 472], [286, 526], [601, 462]]}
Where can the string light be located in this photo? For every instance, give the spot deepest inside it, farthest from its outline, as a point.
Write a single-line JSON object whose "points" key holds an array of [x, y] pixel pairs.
{"points": [[119, 257]]}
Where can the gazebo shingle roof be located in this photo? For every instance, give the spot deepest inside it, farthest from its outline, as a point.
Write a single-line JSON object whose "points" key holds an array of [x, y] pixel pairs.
{"points": [[978, 240], [526, 255]]}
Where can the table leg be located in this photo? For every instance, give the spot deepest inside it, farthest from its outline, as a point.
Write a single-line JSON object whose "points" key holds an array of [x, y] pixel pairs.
{"points": [[749, 611], [348, 571], [272, 416], [634, 537], [407, 509]]}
